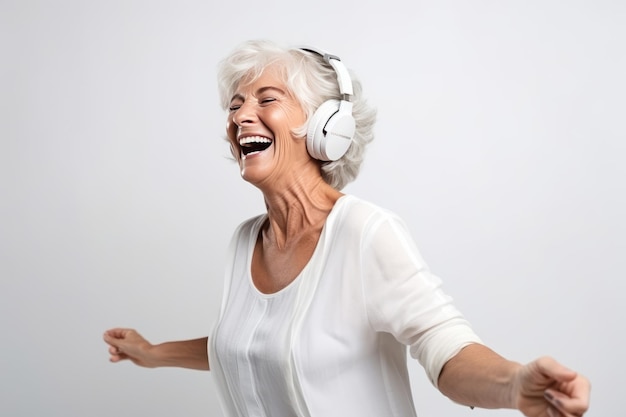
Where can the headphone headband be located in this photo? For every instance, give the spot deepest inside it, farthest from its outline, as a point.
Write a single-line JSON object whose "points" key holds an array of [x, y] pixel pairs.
{"points": [[343, 76], [332, 127]]}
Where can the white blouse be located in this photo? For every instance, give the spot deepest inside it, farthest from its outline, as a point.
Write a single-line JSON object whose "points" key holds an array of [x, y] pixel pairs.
{"points": [[334, 341]]}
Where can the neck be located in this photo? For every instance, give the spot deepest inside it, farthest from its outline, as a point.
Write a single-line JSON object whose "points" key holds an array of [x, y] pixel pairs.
{"points": [[298, 210]]}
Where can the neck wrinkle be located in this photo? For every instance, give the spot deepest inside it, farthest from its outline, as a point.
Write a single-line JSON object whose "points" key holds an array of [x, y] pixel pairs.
{"points": [[297, 212]]}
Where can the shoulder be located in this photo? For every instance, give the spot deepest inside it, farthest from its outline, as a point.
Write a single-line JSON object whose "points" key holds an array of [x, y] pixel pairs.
{"points": [[356, 214], [248, 227], [357, 209]]}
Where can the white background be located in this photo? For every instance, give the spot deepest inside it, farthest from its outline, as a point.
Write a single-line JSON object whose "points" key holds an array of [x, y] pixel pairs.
{"points": [[501, 141]]}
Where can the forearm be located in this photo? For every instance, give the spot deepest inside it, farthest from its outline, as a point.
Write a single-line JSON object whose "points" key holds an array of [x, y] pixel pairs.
{"points": [[191, 354], [479, 377]]}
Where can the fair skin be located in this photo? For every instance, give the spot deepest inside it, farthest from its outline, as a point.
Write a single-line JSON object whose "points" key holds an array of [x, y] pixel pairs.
{"points": [[298, 202]]}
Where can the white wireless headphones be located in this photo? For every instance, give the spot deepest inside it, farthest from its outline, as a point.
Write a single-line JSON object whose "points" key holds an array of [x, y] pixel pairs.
{"points": [[331, 128]]}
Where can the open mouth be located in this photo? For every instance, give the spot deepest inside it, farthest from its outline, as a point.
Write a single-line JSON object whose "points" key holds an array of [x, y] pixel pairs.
{"points": [[254, 144]]}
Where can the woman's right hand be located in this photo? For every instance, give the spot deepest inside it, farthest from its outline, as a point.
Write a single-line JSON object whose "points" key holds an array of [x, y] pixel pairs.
{"points": [[128, 344]]}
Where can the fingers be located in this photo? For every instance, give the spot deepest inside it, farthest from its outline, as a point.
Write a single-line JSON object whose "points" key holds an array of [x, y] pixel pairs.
{"points": [[566, 392], [115, 353], [115, 339], [548, 366], [116, 333], [571, 404], [552, 412], [118, 337], [127, 344], [116, 357], [111, 336]]}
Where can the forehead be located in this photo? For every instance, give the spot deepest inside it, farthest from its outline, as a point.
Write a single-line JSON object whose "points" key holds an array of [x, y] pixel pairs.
{"points": [[270, 76]]}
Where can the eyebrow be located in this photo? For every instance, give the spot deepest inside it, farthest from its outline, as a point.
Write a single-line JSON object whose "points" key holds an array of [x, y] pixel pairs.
{"points": [[259, 91]]}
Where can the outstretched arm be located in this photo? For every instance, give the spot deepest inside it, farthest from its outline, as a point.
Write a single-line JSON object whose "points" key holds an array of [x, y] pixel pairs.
{"points": [[477, 376], [128, 344]]}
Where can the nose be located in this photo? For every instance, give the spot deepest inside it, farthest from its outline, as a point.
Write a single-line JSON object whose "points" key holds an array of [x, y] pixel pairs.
{"points": [[245, 114]]}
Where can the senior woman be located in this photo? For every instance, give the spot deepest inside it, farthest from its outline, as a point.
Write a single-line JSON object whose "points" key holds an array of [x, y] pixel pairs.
{"points": [[324, 292]]}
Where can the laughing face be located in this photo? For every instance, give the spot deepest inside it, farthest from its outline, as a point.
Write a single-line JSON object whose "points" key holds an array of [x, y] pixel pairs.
{"points": [[262, 116]]}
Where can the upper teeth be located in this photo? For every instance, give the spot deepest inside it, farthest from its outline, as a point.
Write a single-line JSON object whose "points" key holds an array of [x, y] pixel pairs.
{"points": [[254, 139]]}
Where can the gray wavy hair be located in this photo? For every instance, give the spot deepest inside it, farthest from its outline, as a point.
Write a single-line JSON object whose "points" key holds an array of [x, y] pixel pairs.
{"points": [[312, 81]]}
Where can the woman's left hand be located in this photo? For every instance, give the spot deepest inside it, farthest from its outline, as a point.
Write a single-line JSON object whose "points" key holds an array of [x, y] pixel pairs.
{"points": [[545, 388]]}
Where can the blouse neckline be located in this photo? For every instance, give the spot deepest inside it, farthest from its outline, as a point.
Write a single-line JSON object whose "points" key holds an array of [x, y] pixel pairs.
{"points": [[252, 242]]}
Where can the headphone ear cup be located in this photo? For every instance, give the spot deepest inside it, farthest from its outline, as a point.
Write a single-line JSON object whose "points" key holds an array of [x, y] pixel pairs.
{"points": [[315, 137], [330, 130]]}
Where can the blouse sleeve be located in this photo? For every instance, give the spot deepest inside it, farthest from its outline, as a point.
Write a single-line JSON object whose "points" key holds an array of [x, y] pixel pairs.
{"points": [[405, 299]]}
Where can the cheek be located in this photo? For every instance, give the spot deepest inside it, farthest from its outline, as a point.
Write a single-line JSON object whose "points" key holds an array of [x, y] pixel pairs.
{"points": [[231, 132], [231, 128], [286, 122]]}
